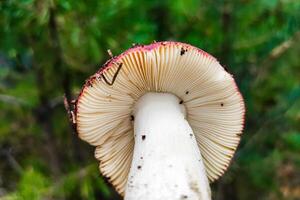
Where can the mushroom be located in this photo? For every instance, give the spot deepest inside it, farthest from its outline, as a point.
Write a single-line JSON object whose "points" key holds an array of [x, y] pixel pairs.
{"points": [[165, 118]]}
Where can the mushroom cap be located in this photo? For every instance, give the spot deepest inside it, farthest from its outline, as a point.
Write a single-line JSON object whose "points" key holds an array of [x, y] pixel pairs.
{"points": [[215, 108]]}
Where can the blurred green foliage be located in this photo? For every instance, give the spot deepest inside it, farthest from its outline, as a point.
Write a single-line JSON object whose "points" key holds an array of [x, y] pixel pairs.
{"points": [[49, 47]]}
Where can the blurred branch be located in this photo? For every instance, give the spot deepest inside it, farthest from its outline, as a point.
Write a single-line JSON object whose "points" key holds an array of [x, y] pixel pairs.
{"points": [[256, 138], [252, 42], [57, 101], [44, 112], [56, 44], [76, 176], [275, 54], [12, 100], [65, 74], [50, 191], [160, 15], [226, 24], [11, 160], [279, 50]]}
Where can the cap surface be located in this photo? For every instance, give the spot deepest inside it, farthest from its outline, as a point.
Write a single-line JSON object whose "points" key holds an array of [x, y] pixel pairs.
{"points": [[215, 107]]}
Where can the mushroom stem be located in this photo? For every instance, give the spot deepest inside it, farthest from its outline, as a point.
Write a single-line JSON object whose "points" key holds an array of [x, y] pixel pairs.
{"points": [[167, 162]]}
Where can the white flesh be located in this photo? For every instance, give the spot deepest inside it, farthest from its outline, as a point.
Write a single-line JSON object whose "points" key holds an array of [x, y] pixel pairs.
{"points": [[167, 162]]}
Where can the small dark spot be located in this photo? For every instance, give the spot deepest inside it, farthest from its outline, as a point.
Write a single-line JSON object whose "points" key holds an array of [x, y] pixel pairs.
{"points": [[131, 117], [89, 82], [130, 182], [191, 135], [239, 134], [139, 166], [181, 102], [141, 157], [143, 137], [170, 166], [226, 69], [187, 92], [182, 51], [222, 104], [184, 196]]}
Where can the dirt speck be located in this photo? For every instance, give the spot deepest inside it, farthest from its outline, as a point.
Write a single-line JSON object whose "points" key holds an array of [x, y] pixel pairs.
{"points": [[194, 187], [182, 51], [183, 196], [143, 137]]}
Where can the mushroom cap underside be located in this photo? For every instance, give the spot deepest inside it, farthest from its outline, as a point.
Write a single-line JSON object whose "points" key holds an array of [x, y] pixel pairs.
{"points": [[214, 105]]}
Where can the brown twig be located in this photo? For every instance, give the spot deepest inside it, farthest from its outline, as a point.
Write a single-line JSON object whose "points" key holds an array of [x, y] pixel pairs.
{"points": [[114, 77]]}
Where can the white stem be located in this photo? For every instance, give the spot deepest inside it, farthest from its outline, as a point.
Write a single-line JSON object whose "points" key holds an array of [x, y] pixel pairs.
{"points": [[167, 163]]}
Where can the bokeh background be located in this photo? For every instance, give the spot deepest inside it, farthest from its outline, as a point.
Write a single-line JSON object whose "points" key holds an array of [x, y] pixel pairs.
{"points": [[49, 47]]}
